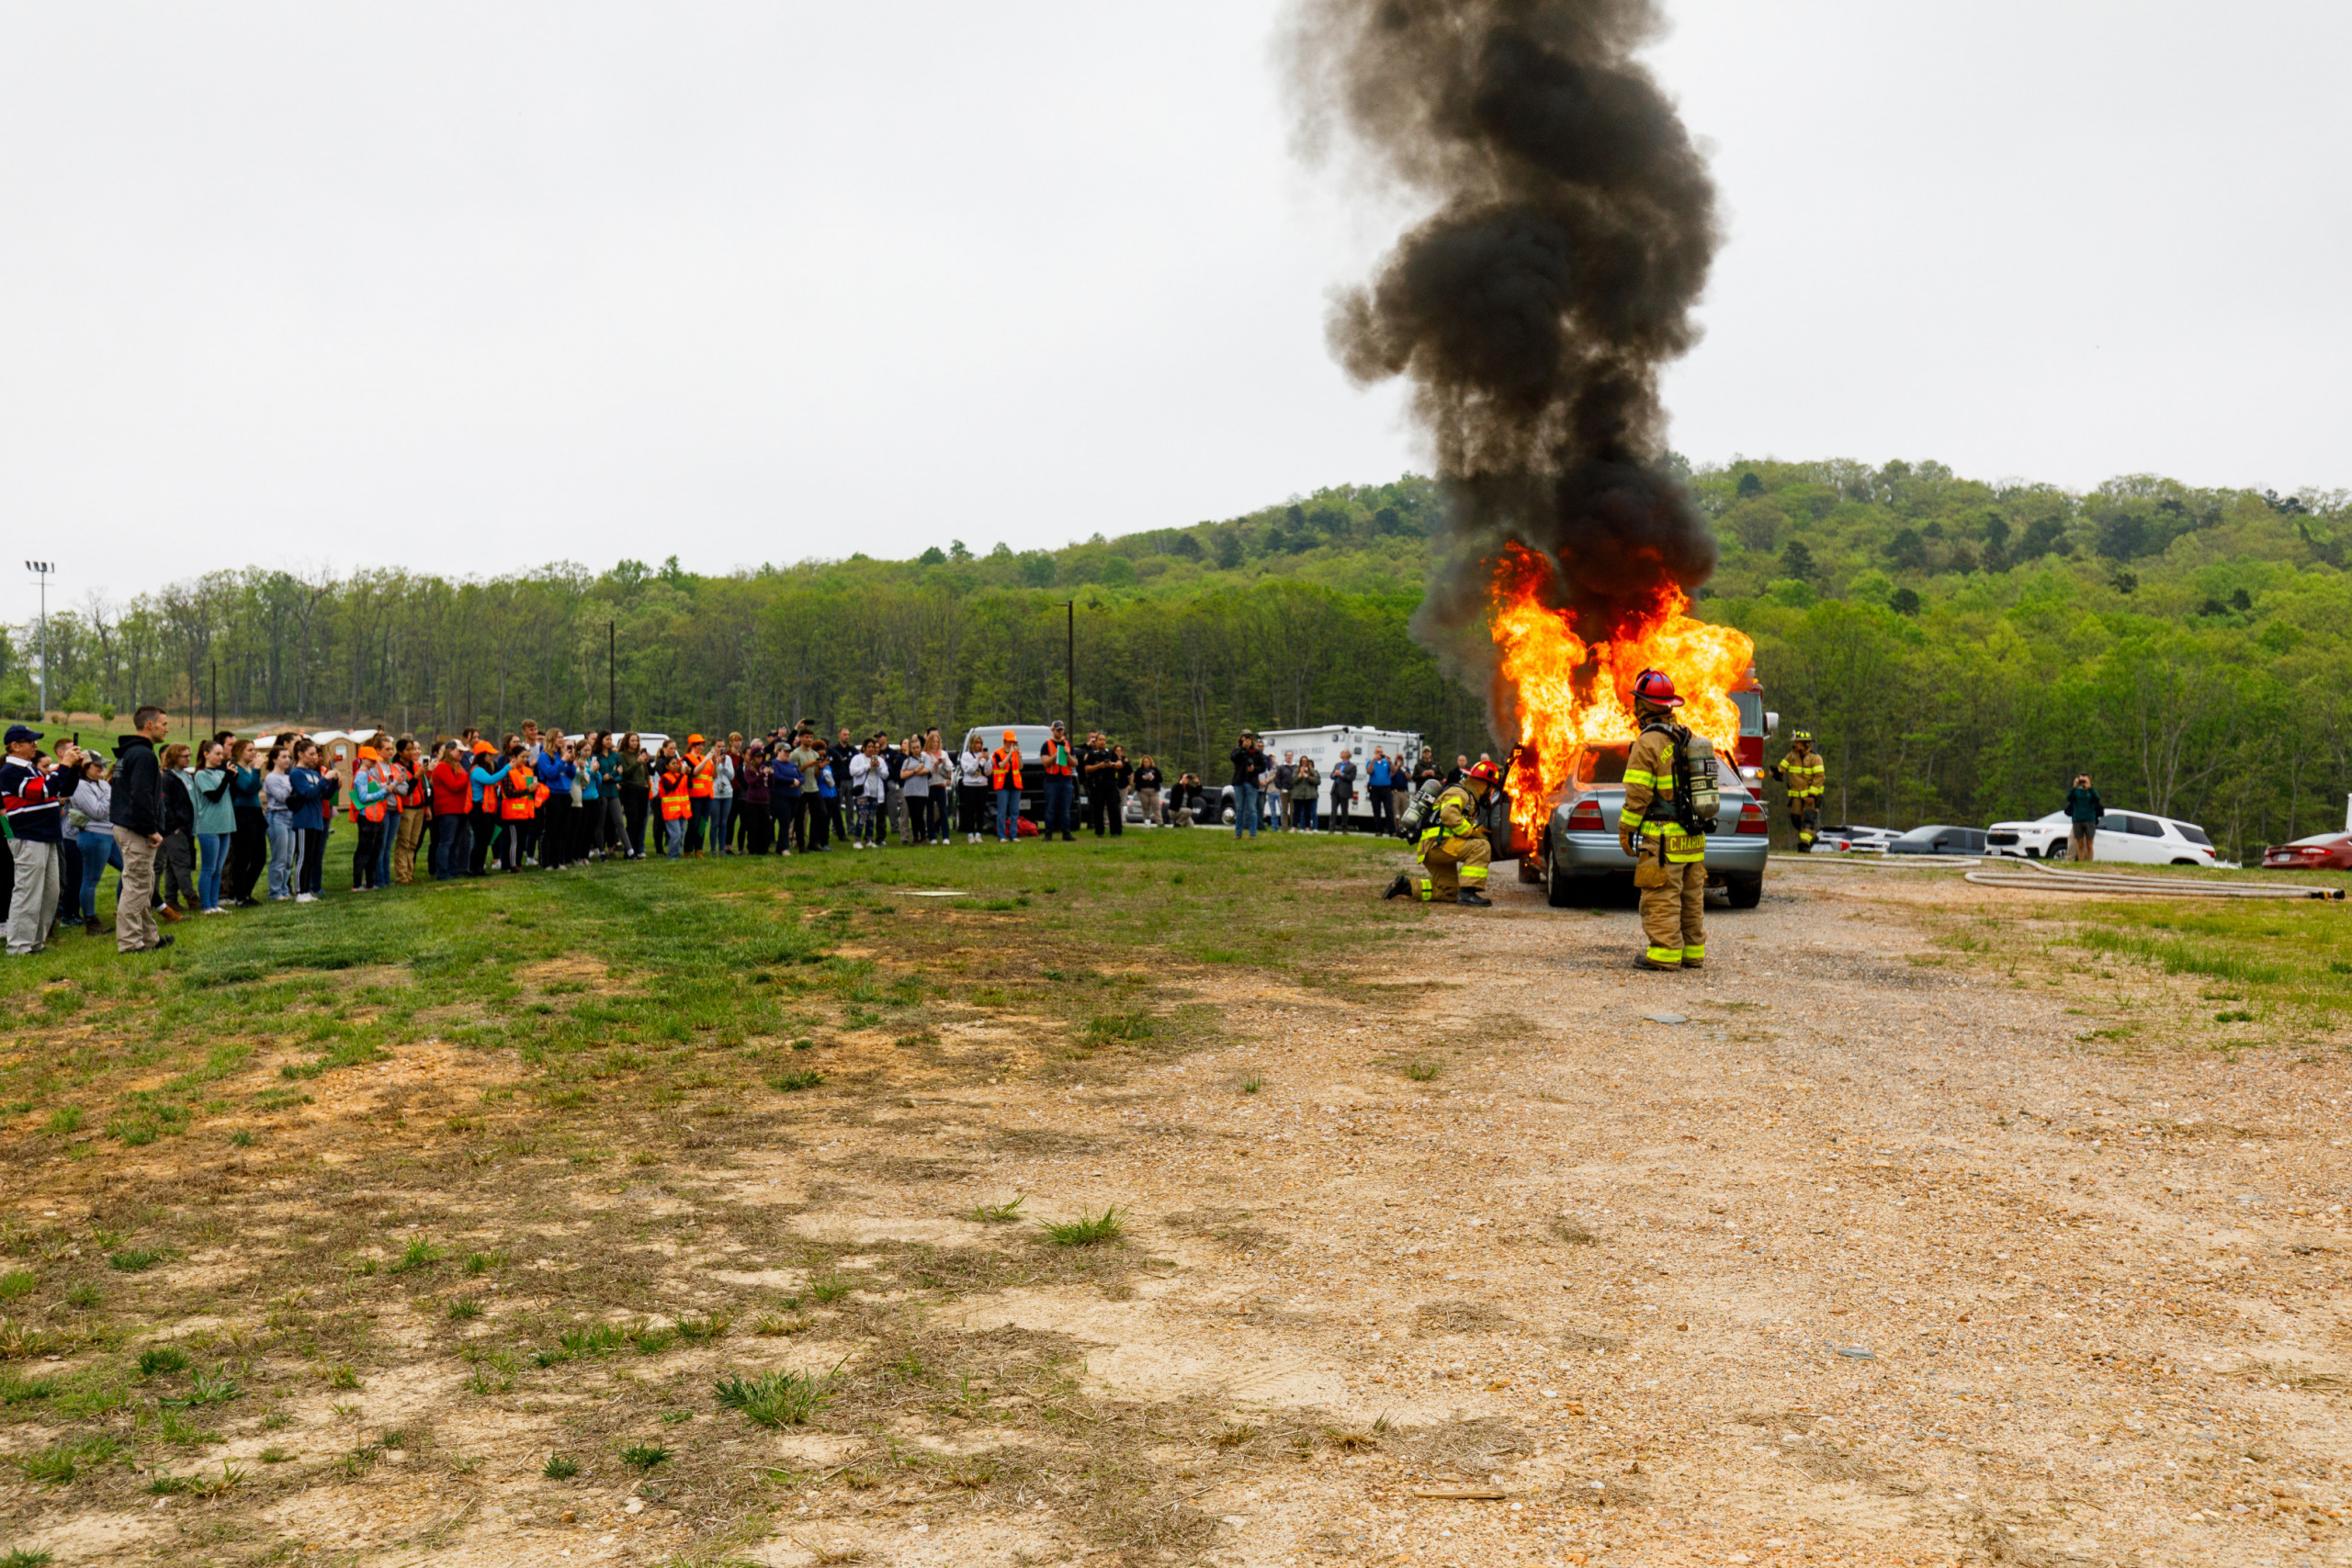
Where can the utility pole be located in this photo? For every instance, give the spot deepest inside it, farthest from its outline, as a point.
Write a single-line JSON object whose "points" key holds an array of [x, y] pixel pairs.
{"points": [[612, 678], [1069, 691], [216, 696], [43, 569]]}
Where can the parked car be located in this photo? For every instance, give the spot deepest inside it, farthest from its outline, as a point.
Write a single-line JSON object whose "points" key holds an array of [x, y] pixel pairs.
{"points": [[1938, 839], [1580, 858], [2321, 852], [1855, 839], [2131, 838]]}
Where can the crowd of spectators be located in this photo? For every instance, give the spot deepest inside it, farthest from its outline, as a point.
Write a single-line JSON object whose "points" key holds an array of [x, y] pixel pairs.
{"points": [[200, 829]]}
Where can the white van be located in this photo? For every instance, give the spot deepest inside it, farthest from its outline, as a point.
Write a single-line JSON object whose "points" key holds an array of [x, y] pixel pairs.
{"points": [[2133, 838]]}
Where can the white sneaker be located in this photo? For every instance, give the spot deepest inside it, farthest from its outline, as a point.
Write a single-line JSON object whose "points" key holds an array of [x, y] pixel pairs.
{"points": [[306, 897]]}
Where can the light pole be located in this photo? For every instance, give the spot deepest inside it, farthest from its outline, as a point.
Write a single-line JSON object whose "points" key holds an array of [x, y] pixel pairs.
{"points": [[1069, 691], [43, 569]]}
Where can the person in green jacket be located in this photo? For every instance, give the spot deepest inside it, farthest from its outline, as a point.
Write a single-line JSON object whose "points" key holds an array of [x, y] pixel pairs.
{"points": [[2084, 810]]}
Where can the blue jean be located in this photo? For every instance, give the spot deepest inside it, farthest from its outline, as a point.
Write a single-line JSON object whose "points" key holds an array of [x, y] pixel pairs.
{"points": [[1061, 790], [675, 828], [280, 827], [722, 807], [384, 850], [1008, 814], [452, 836], [1245, 809], [211, 860], [99, 851], [1302, 815]]}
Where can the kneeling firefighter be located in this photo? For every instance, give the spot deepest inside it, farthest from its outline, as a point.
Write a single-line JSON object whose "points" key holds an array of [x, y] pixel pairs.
{"points": [[1453, 847], [1671, 797]]}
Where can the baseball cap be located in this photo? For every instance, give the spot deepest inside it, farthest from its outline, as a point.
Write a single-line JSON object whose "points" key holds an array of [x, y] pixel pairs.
{"points": [[19, 732]]}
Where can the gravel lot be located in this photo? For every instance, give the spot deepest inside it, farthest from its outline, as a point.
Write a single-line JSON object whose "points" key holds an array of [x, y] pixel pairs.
{"points": [[1860, 1253]]}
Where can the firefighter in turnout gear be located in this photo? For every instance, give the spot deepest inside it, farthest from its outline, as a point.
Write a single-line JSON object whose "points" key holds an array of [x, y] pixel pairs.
{"points": [[1669, 861], [1452, 846], [1802, 772]]}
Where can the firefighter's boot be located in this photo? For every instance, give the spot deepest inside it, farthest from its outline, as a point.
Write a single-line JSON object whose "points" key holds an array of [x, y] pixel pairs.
{"points": [[1474, 898], [1643, 960], [1400, 888]]}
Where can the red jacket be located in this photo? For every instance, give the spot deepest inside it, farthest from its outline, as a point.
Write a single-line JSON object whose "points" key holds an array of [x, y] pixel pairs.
{"points": [[453, 789]]}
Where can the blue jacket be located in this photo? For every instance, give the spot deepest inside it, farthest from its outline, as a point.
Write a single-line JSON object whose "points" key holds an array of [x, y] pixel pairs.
{"points": [[486, 778], [304, 790], [244, 789], [555, 773], [1378, 777]]}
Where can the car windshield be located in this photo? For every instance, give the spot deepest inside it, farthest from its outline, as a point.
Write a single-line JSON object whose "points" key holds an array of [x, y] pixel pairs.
{"points": [[2322, 839], [1919, 836], [2194, 834]]}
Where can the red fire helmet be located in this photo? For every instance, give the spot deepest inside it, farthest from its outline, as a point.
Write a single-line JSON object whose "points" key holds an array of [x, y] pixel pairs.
{"points": [[1656, 687], [1484, 771]]}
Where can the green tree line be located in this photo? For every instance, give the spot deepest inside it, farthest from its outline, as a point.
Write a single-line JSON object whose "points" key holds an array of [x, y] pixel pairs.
{"points": [[1960, 649]]}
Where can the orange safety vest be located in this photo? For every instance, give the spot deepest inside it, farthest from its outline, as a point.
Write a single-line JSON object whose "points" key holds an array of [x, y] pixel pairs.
{"points": [[1005, 767], [677, 802], [518, 793], [1056, 760], [705, 773], [365, 814], [414, 795]]}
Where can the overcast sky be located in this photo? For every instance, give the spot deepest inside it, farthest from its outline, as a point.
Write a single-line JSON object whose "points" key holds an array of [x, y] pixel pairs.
{"points": [[474, 287]]}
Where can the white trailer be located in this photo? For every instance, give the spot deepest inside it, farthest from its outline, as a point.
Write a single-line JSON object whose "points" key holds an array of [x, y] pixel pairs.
{"points": [[1324, 744]]}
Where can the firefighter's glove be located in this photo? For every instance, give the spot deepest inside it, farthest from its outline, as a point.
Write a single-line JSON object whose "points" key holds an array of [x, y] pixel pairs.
{"points": [[1625, 841]]}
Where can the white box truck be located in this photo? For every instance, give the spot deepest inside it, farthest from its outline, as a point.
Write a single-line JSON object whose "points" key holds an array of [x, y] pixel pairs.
{"points": [[1324, 744]]}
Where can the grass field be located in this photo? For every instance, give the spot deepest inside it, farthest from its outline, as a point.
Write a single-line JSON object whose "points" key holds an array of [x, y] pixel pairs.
{"points": [[316, 1151]]}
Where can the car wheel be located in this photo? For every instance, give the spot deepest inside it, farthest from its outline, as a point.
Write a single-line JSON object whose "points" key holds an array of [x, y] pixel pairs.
{"points": [[1560, 889], [2184, 860], [1746, 892]]}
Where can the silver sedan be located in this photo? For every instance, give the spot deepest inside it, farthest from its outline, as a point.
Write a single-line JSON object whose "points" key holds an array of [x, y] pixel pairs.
{"points": [[1580, 857]]}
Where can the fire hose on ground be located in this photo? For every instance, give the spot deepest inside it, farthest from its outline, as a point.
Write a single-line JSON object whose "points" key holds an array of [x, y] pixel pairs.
{"points": [[2109, 885]]}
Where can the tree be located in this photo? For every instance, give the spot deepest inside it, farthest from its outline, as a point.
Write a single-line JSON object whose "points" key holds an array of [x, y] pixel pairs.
{"points": [[1904, 602], [1797, 562], [2124, 536], [1229, 549], [934, 555], [1907, 551], [1749, 485]]}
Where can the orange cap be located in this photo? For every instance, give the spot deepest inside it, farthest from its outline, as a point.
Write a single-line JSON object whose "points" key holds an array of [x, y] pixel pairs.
{"points": [[694, 739], [1010, 736], [367, 754]]}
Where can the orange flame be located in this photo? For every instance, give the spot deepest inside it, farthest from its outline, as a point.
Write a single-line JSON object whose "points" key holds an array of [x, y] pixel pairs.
{"points": [[1571, 695]]}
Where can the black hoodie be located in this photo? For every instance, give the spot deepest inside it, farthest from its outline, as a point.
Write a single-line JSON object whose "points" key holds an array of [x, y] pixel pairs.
{"points": [[138, 786]]}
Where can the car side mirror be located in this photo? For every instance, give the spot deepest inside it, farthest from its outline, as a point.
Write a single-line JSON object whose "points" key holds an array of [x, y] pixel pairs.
{"points": [[1771, 724]]}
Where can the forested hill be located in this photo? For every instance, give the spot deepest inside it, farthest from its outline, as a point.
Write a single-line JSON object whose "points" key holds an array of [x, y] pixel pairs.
{"points": [[1960, 647]]}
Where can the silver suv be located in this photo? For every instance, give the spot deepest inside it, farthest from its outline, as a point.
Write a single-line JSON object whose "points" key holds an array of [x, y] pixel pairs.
{"points": [[1579, 856]]}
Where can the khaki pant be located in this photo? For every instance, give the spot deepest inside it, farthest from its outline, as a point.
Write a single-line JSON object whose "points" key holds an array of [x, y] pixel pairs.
{"points": [[1674, 911], [134, 922], [411, 833], [1447, 864], [32, 899], [1804, 816]]}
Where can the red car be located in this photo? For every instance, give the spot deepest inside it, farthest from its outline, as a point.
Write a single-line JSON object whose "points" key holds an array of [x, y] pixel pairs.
{"points": [[2321, 852]]}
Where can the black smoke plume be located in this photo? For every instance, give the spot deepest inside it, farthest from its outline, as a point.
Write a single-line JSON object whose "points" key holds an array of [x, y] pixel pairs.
{"points": [[1532, 311]]}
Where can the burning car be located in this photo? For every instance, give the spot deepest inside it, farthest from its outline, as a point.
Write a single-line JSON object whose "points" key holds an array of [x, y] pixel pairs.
{"points": [[1579, 858]]}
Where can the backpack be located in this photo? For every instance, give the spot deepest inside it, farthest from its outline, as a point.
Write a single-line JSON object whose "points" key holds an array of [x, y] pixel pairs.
{"points": [[1698, 793]]}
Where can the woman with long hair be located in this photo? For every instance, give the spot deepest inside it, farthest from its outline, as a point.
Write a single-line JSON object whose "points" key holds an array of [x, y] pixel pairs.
{"points": [[308, 787], [249, 850], [673, 785], [175, 860], [636, 789], [278, 821], [371, 795], [753, 801], [216, 825]]}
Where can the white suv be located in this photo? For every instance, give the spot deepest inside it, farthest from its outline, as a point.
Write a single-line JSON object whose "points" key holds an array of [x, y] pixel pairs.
{"points": [[2133, 837]]}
